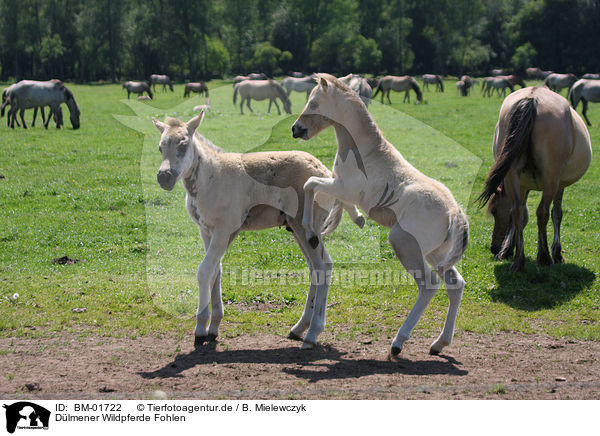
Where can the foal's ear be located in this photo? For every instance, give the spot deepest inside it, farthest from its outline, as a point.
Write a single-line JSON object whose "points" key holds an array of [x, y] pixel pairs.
{"points": [[323, 82], [194, 123], [159, 125]]}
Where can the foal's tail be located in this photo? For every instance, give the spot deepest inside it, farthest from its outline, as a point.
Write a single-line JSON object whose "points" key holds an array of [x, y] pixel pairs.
{"points": [[235, 91], [333, 219], [459, 235], [520, 124]]}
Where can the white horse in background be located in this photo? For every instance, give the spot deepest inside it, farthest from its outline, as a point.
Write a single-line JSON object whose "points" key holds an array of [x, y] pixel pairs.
{"points": [[139, 88], [261, 90], [304, 84], [556, 81], [29, 94], [6, 102], [585, 90], [359, 85], [428, 226], [161, 79], [230, 192], [433, 79]]}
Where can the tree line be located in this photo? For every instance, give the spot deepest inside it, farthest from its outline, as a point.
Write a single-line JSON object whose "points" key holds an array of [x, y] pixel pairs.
{"points": [[199, 39]]}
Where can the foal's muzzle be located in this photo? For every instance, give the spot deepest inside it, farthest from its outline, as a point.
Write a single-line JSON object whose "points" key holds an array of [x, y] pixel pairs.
{"points": [[299, 131], [166, 179]]}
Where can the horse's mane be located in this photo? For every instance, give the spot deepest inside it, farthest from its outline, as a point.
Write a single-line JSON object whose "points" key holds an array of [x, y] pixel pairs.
{"points": [[174, 122]]}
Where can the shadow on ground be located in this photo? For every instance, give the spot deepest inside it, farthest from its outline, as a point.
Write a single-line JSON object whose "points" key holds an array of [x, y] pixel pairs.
{"points": [[322, 363], [540, 287]]}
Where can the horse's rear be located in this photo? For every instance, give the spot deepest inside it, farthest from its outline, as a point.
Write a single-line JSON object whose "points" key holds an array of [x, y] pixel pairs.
{"points": [[540, 144]]}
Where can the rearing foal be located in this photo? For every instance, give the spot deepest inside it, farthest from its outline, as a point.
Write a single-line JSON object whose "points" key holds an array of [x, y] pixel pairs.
{"points": [[428, 226], [230, 192]]}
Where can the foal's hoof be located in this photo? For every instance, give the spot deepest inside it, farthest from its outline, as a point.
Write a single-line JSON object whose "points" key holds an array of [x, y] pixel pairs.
{"points": [[294, 337], [360, 221], [395, 351], [313, 241], [308, 345], [199, 341]]}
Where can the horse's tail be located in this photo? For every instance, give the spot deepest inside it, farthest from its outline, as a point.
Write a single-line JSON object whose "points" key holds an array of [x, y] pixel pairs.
{"points": [[334, 218], [458, 233], [441, 82], [520, 124], [415, 86], [573, 96], [235, 91], [379, 87]]}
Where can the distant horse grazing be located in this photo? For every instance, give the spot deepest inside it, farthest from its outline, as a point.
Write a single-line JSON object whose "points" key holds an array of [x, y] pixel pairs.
{"points": [[556, 82], [137, 88], [536, 73], [540, 144], [227, 193], [460, 88], [499, 83], [31, 94], [261, 90], [434, 79], [585, 90], [297, 74], [238, 79], [373, 82], [468, 84], [161, 79], [257, 76], [359, 85], [427, 225], [497, 72], [304, 84], [198, 87], [591, 76], [398, 84]]}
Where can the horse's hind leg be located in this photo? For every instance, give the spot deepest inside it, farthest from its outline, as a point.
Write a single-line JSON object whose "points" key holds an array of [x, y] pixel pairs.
{"points": [[22, 115], [35, 111], [320, 265], [584, 111], [242, 106], [409, 253], [248, 104], [277, 106], [455, 286], [557, 214], [388, 96]]}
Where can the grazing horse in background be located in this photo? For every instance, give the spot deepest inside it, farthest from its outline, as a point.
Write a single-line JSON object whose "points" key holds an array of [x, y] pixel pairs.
{"points": [[373, 82], [262, 90], [137, 88], [161, 79], [238, 79], [257, 76], [591, 76], [198, 87], [297, 74], [540, 144], [468, 84], [304, 84], [497, 72], [460, 88], [398, 83], [556, 82], [585, 90], [6, 101], [359, 85], [231, 192], [499, 83], [428, 226], [536, 73], [434, 79], [30, 94]]}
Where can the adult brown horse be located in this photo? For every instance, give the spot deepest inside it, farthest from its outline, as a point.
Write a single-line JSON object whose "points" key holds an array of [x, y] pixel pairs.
{"points": [[434, 79], [467, 84], [398, 84], [556, 82], [540, 144], [198, 87]]}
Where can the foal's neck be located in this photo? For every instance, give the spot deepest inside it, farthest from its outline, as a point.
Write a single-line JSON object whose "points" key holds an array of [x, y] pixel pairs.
{"points": [[201, 158], [358, 131]]}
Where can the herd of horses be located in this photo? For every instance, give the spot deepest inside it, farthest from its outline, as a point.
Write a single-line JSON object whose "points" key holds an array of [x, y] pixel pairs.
{"points": [[540, 144]]}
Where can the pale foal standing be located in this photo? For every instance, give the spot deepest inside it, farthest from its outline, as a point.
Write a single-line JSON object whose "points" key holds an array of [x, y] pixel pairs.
{"points": [[230, 192], [428, 226]]}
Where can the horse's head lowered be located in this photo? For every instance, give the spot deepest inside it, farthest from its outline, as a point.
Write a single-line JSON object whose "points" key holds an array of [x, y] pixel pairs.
{"points": [[499, 207], [177, 149], [319, 109], [73, 108]]}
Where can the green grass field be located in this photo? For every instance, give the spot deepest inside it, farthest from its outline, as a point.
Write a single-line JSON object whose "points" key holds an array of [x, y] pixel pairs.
{"points": [[91, 194]]}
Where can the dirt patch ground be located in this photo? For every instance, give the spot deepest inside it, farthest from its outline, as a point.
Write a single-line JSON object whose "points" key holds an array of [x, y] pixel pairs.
{"points": [[505, 366]]}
